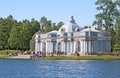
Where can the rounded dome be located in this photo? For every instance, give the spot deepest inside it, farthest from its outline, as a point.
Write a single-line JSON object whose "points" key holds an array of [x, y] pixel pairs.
{"points": [[70, 26], [90, 29], [53, 31]]}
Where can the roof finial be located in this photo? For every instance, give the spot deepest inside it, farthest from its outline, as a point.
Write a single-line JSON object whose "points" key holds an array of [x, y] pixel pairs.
{"points": [[71, 19]]}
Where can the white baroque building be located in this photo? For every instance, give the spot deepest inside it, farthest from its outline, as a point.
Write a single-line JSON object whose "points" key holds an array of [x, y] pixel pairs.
{"points": [[70, 38]]}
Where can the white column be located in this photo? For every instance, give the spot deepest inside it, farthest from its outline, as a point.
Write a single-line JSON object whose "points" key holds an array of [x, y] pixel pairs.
{"points": [[62, 46], [87, 46], [47, 46], [74, 46], [51, 47], [41, 46], [90, 47], [81, 44], [65, 47], [36, 44], [70, 47], [84, 45]]}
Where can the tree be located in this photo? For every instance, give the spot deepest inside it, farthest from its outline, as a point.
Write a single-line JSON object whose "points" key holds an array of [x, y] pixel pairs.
{"points": [[15, 37], [42, 22], [117, 31], [59, 25], [5, 29], [86, 27], [22, 33], [45, 25], [106, 19], [109, 12]]}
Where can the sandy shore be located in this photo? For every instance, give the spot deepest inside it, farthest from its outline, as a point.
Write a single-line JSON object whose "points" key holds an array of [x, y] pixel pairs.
{"points": [[21, 57]]}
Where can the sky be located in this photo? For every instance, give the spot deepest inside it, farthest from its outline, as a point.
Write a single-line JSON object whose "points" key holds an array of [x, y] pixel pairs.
{"points": [[84, 11]]}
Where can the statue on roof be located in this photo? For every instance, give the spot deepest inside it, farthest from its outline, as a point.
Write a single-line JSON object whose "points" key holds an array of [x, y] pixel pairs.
{"points": [[71, 19]]}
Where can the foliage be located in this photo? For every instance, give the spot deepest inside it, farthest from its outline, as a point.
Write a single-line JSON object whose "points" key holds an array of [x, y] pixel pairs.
{"points": [[117, 31], [107, 19], [108, 53], [117, 47], [22, 33], [5, 28], [19, 35]]}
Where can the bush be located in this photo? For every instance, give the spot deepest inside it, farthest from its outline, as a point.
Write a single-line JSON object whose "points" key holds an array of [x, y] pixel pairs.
{"points": [[108, 53], [7, 52], [100, 53], [116, 48]]}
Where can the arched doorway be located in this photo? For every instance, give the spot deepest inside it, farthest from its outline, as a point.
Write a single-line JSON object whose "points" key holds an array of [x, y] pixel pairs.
{"points": [[59, 47], [78, 46]]}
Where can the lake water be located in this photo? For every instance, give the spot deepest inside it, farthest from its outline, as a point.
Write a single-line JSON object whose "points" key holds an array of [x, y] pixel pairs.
{"points": [[11, 68]]}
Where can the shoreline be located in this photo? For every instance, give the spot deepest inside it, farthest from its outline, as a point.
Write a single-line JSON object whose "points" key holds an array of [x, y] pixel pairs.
{"points": [[81, 58], [65, 57]]}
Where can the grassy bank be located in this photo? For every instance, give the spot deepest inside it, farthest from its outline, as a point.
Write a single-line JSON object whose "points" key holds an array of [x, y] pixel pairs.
{"points": [[79, 58], [6, 53], [4, 56]]}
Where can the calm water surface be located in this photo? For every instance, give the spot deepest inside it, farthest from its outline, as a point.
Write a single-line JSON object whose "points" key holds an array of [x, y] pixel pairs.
{"points": [[11, 68]]}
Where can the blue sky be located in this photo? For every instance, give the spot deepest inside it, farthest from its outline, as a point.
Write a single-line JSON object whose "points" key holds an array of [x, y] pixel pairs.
{"points": [[56, 10]]}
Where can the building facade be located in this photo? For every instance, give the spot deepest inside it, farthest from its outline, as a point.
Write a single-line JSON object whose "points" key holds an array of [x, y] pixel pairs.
{"points": [[70, 38]]}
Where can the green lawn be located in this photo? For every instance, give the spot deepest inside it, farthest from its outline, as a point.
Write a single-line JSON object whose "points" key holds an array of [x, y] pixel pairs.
{"points": [[80, 58]]}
